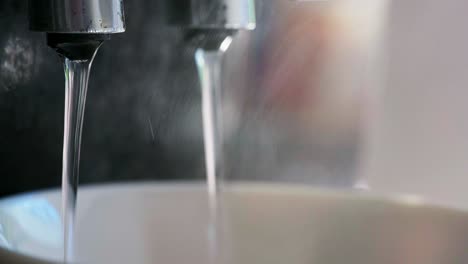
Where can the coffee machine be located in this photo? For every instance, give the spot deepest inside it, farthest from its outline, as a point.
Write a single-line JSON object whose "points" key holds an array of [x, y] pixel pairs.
{"points": [[143, 108], [302, 101]]}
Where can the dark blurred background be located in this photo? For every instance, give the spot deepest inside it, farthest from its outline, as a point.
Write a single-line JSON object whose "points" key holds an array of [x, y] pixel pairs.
{"points": [[287, 114], [135, 76]]}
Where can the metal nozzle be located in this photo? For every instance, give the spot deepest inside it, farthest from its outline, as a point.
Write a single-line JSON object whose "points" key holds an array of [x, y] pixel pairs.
{"points": [[212, 14], [77, 16]]}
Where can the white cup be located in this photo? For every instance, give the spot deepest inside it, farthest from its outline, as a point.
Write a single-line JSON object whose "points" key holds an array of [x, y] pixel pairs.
{"points": [[154, 223]]}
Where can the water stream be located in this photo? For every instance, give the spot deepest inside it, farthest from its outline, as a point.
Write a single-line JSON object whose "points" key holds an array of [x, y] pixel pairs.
{"points": [[209, 65], [77, 61]]}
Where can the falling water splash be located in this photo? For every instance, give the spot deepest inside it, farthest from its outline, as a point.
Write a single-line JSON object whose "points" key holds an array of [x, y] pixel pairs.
{"points": [[76, 85], [209, 64]]}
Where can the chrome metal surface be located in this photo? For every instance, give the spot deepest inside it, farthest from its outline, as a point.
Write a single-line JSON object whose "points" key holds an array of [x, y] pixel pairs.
{"points": [[232, 14], [77, 16]]}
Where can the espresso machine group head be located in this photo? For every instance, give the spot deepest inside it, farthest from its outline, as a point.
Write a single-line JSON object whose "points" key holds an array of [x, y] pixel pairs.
{"points": [[72, 23], [77, 16], [212, 14], [212, 20]]}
